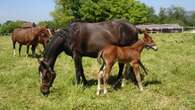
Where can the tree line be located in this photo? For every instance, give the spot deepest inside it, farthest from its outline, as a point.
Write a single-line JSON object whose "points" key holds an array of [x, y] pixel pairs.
{"points": [[133, 11]]}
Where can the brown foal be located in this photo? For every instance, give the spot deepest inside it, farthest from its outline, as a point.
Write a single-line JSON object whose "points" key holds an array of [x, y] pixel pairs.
{"points": [[126, 55]]}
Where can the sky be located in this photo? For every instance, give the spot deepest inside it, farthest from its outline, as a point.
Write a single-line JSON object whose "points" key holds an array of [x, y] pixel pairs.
{"points": [[188, 5], [39, 10], [28, 10]]}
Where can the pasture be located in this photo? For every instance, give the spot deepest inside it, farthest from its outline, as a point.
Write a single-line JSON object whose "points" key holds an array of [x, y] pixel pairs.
{"points": [[170, 84]]}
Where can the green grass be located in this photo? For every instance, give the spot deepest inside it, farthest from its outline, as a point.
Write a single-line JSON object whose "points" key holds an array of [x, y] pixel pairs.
{"points": [[170, 84]]}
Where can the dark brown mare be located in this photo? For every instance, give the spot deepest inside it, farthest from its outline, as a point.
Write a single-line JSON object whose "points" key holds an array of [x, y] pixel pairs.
{"points": [[126, 55], [83, 39], [30, 36]]}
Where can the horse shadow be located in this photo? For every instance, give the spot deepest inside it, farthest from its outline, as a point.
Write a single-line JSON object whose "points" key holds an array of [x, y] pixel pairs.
{"points": [[35, 56], [111, 81], [152, 82], [116, 83]]}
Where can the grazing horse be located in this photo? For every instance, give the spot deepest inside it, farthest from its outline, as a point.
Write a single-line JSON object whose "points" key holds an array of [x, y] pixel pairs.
{"points": [[30, 36], [111, 54], [83, 39]]}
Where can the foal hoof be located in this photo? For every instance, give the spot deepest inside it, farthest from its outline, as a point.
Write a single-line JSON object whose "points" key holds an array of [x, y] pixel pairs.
{"points": [[98, 93], [141, 89], [105, 92]]}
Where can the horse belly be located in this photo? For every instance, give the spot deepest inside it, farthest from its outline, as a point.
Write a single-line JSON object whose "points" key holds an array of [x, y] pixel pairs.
{"points": [[24, 41], [98, 41]]}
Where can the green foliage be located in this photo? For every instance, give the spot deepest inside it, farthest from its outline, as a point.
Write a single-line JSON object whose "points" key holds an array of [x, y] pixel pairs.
{"points": [[50, 24], [100, 10], [132, 10], [190, 19], [9, 26], [170, 84], [172, 14]]}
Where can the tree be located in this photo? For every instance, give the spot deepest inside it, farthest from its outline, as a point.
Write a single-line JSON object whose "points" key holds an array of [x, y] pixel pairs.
{"points": [[152, 17], [162, 16], [100, 10], [172, 14], [9, 26], [50, 24]]}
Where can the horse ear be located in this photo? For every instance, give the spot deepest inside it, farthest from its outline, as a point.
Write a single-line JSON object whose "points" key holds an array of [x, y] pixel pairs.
{"points": [[45, 65], [145, 32], [41, 62]]}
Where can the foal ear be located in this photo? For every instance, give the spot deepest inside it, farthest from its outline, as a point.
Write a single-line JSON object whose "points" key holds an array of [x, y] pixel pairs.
{"points": [[145, 34]]}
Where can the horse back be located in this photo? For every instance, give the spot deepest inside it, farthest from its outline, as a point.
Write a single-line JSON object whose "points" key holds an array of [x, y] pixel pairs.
{"points": [[23, 36]]}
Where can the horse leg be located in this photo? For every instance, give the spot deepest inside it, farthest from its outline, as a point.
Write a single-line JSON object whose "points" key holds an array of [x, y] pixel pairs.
{"points": [[125, 75], [20, 47], [14, 47], [79, 68], [82, 74], [27, 50], [33, 50], [121, 66], [44, 44], [137, 75]]}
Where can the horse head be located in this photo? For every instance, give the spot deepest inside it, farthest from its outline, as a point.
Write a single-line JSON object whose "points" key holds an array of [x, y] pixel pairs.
{"points": [[47, 76], [149, 42], [44, 35]]}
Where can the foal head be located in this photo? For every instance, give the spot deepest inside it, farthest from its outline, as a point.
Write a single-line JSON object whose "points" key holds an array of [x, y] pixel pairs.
{"points": [[47, 76], [149, 43]]}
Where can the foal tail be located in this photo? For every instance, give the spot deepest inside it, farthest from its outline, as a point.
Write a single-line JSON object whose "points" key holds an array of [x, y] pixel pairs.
{"points": [[99, 58]]}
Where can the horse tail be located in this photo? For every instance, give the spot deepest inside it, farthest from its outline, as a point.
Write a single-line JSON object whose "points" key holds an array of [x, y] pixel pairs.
{"points": [[143, 67]]}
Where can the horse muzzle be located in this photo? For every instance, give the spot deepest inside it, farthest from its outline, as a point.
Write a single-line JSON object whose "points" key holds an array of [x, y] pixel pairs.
{"points": [[44, 90]]}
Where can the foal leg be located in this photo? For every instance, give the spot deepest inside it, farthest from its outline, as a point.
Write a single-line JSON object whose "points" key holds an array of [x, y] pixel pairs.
{"points": [[105, 77], [100, 75], [137, 75], [20, 47]]}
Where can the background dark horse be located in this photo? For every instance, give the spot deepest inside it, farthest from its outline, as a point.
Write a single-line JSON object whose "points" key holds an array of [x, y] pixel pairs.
{"points": [[84, 39]]}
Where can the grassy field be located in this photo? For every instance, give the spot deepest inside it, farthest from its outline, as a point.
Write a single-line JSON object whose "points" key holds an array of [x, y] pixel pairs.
{"points": [[170, 84]]}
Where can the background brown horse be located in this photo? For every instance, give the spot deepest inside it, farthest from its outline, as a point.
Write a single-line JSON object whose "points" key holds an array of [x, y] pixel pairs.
{"points": [[30, 36]]}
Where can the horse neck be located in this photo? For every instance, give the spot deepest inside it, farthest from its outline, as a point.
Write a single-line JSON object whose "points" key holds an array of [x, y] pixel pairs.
{"points": [[53, 49], [139, 45]]}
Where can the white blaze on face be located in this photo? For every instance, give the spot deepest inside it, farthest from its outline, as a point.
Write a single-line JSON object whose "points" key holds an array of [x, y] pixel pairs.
{"points": [[155, 47]]}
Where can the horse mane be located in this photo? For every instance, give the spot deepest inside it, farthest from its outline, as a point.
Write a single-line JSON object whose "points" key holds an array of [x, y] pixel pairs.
{"points": [[63, 33]]}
